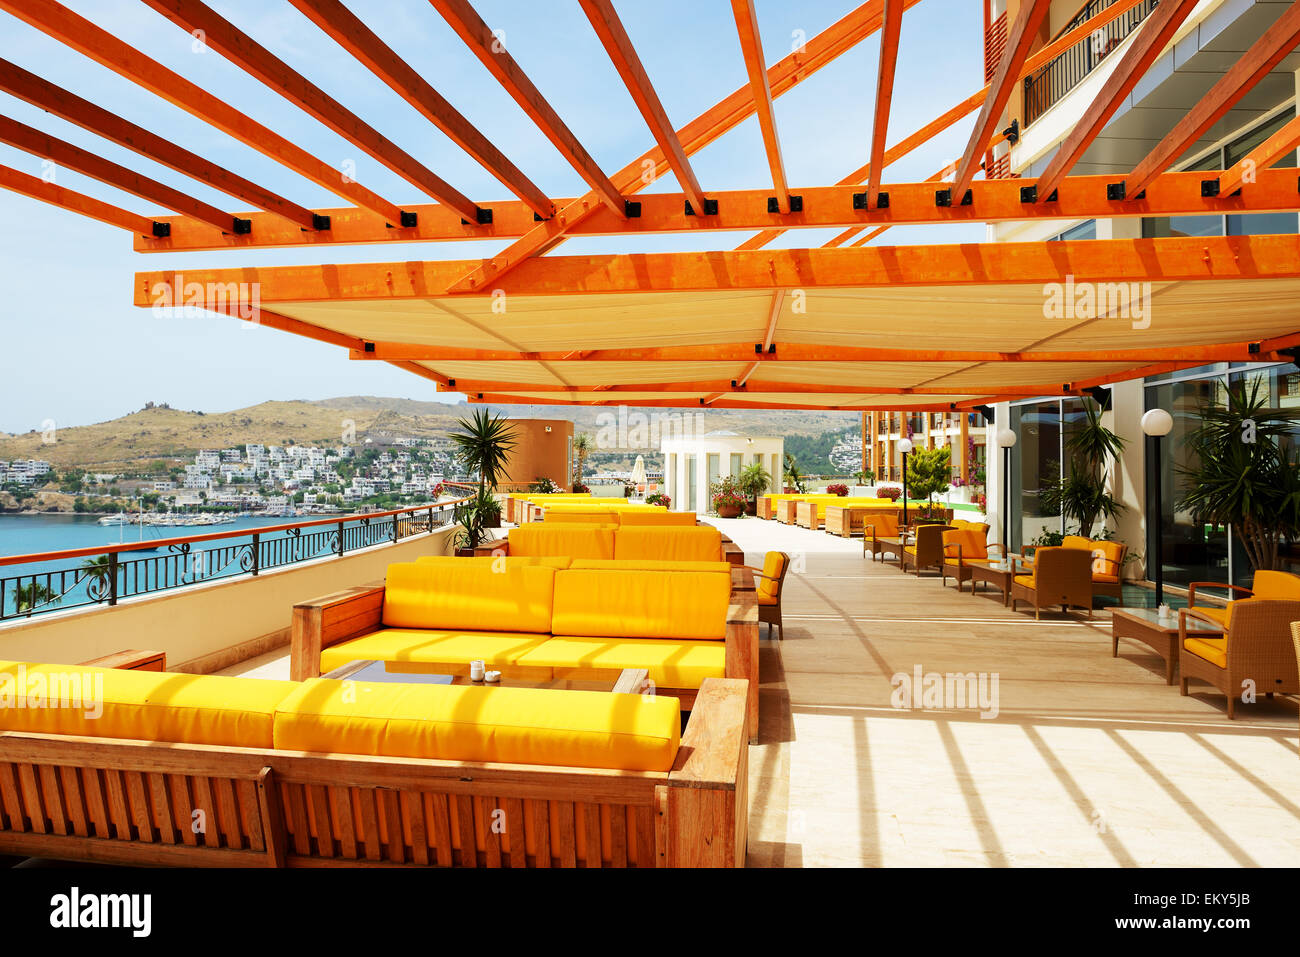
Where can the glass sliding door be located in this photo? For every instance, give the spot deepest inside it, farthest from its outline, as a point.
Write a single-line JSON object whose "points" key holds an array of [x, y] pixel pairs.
{"points": [[1035, 465]]}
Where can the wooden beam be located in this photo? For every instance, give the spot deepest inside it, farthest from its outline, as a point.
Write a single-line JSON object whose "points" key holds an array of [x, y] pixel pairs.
{"points": [[751, 48], [78, 33], [476, 34], [1152, 37], [802, 353], [956, 264], [1264, 54], [66, 105], [349, 32], [23, 137], [1263, 156], [1022, 35], [618, 45], [254, 59], [1080, 33], [724, 388], [1080, 197], [55, 195], [890, 29], [841, 36]]}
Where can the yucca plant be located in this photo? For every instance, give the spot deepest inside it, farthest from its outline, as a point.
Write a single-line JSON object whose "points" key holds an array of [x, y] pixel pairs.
{"points": [[1244, 473], [484, 443], [793, 478]]}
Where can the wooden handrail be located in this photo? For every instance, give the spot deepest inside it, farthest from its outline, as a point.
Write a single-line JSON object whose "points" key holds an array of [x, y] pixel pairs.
{"points": [[214, 536]]}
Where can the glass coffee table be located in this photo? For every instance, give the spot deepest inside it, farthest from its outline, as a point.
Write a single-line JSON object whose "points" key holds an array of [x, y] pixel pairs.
{"points": [[998, 574], [1160, 635], [629, 681]]}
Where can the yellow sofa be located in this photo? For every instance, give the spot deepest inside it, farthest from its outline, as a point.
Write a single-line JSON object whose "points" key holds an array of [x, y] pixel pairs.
{"points": [[586, 729], [695, 543]]}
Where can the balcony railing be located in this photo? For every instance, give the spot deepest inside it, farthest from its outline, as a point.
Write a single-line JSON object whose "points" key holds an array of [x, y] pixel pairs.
{"points": [[110, 573], [1051, 82]]}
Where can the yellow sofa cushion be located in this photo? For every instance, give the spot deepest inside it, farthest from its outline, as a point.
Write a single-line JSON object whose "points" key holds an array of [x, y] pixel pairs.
{"points": [[650, 565], [768, 585], [883, 525], [586, 729], [569, 540], [1220, 615], [469, 595], [671, 664], [584, 516], [640, 517], [702, 543], [1106, 558], [1272, 584], [622, 603], [972, 541], [1076, 541], [437, 650], [1026, 580], [1213, 650], [140, 705]]}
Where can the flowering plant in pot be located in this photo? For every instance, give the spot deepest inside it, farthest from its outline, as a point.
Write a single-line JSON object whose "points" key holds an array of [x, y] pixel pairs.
{"points": [[658, 498], [837, 488], [580, 489], [890, 492], [728, 499]]}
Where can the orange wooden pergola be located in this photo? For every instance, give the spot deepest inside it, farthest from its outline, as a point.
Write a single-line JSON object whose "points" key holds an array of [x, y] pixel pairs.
{"points": [[844, 325]]}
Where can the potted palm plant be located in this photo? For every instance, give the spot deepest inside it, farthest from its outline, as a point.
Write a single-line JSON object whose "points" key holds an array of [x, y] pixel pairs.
{"points": [[1244, 473], [1081, 495], [754, 481], [484, 443]]}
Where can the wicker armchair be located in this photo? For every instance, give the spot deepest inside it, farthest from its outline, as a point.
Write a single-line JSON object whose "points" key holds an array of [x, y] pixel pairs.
{"points": [[1107, 562], [963, 548], [771, 581], [1060, 576], [880, 535], [1257, 645], [926, 550]]}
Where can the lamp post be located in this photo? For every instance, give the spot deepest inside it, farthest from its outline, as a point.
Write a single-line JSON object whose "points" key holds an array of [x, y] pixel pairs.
{"points": [[1155, 424], [1006, 441], [905, 446]]}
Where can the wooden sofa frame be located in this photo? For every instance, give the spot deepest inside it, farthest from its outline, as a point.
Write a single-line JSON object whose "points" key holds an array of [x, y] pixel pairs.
{"points": [[119, 801], [322, 622]]}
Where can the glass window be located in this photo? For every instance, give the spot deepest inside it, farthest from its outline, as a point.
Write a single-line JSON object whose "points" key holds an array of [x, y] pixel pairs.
{"points": [[737, 460], [714, 467], [1035, 463], [692, 479]]}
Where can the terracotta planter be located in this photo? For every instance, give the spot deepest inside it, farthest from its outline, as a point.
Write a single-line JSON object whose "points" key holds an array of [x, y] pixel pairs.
{"points": [[729, 511], [751, 508]]}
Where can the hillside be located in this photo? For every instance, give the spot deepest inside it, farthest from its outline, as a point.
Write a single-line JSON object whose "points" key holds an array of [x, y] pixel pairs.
{"points": [[175, 435]]}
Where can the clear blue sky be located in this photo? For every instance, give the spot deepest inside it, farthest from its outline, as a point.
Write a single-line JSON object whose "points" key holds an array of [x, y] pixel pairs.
{"points": [[74, 349]]}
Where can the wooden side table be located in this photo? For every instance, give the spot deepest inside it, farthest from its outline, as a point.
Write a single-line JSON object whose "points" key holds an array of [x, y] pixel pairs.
{"points": [[1144, 625]]}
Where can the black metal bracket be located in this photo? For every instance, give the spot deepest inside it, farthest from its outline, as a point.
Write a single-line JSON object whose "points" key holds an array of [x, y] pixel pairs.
{"points": [[1102, 395], [1291, 352], [243, 226], [882, 200], [1012, 132], [161, 230], [1253, 348], [860, 200], [410, 220], [484, 216], [710, 208], [320, 222], [737, 384], [943, 197], [1116, 191], [986, 411], [537, 218], [1209, 187], [451, 383], [632, 210], [1029, 194], [774, 204], [968, 198], [367, 347]]}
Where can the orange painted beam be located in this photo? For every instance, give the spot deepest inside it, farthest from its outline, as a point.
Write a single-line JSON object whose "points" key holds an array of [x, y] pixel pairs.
{"points": [[1080, 33], [622, 53], [1081, 197], [719, 400], [1278, 145], [751, 48], [787, 352], [349, 32], [73, 202], [966, 264], [78, 33], [23, 137], [476, 35], [1264, 54], [891, 27], [1019, 40], [66, 105], [725, 388], [1153, 36], [254, 59], [822, 49]]}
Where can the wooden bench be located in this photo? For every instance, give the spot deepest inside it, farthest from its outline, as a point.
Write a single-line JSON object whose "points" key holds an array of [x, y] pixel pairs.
{"points": [[131, 660], [119, 801]]}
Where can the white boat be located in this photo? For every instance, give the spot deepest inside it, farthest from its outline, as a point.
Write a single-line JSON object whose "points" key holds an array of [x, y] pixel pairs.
{"points": [[121, 518]]}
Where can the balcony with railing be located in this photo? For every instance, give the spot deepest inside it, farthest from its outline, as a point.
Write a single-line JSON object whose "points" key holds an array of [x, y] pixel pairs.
{"points": [[1051, 82]]}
